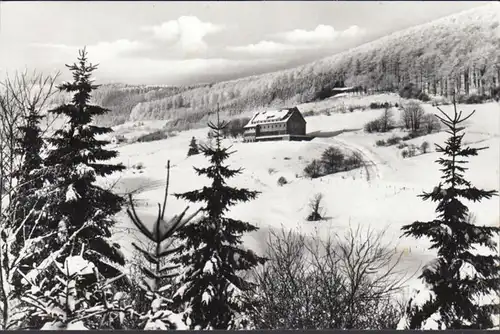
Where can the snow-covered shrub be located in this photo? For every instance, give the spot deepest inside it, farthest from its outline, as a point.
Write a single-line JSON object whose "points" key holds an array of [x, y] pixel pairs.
{"points": [[314, 169], [431, 123], [383, 123], [412, 150], [425, 147], [282, 181], [315, 205], [412, 115], [393, 140], [138, 166], [69, 300], [354, 160], [332, 160], [153, 136], [402, 145], [373, 126]]}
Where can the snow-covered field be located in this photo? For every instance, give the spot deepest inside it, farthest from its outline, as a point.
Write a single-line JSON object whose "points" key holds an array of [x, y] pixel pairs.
{"points": [[381, 195]]}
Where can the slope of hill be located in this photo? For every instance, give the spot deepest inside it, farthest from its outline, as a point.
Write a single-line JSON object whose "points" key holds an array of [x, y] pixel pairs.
{"points": [[458, 52], [384, 197]]}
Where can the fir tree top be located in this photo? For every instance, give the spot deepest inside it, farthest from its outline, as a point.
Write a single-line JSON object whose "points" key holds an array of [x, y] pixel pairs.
{"points": [[219, 196], [80, 134]]}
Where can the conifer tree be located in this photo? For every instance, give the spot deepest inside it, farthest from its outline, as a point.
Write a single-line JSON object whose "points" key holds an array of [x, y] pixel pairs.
{"points": [[29, 174], [77, 158], [157, 271], [193, 147], [212, 254], [459, 276]]}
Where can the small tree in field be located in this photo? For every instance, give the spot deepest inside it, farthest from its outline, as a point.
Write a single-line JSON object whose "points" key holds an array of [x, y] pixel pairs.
{"points": [[316, 208], [193, 147], [459, 276]]}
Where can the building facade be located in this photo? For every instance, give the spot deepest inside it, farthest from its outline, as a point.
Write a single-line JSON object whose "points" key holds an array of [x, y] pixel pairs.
{"points": [[282, 124]]}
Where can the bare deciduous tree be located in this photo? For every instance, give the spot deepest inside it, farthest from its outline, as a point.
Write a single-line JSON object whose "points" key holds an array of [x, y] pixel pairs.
{"points": [[412, 116], [314, 169], [386, 121], [431, 123], [372, 277], [343, 282], [19, 96], [315, 204]]}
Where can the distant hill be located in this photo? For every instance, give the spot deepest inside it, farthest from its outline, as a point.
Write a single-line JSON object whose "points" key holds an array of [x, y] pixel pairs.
{"points": [[460, 52]]}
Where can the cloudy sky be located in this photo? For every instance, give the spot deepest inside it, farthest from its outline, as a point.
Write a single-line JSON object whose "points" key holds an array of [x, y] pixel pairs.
{"points": [[189, 42]]}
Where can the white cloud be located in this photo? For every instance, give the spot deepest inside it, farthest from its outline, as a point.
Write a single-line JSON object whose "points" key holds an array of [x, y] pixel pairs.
{"points": [[298, 40], [187, 32], [101, 51], [353, 31], [263, 48], [321, 35], [109, 50]]}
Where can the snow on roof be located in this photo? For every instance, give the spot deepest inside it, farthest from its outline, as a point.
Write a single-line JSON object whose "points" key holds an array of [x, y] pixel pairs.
{"points": [[341, 89], [270, 116]]}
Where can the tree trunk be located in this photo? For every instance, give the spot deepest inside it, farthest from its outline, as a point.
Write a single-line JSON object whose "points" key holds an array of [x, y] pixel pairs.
{"points": [[466, 81]]}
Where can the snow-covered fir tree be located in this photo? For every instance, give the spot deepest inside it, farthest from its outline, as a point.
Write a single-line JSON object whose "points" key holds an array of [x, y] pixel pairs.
{"points": [[461, 275], [78, 157], [212, 256], [78, 208], [193, 147]]}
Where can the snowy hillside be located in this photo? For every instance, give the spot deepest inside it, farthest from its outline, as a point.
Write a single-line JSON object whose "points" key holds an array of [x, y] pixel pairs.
{"points": [[382, 194]]}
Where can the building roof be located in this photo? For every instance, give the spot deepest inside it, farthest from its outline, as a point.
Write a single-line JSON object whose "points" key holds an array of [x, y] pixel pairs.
{"points": [[343, 89], [271, 117]]}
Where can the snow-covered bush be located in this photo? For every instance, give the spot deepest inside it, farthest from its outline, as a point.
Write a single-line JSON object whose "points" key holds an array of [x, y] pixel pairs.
{"points": [[75, 296], [282, 181], [313, 169], [315, 205], [425, 147]]}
